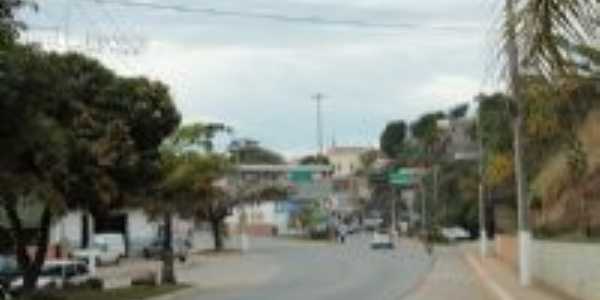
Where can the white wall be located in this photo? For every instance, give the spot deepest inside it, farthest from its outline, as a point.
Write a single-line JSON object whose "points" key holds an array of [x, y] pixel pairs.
{"points": [[572, 268], [142, 230], [263, 213], [68, 228], [345, 164]]}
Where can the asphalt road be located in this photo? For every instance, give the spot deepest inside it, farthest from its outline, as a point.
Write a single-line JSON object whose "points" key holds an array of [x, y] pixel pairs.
{"points": [[297, 270]]}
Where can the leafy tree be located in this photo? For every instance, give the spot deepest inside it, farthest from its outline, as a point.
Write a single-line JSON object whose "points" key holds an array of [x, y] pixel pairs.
{"points": [[9, 25], [254, 154], [73, 135], [202, 184], [459, 111], [315, 160], [542, 27], [392, 138], [367, 159]]}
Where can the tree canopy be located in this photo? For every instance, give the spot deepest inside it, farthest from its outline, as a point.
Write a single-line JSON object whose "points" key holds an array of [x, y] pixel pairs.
{"points": [[74, 134], [315, 160], [392, 138]]}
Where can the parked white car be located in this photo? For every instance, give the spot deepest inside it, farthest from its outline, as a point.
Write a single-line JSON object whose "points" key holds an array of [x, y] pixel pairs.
{"points": [[57, 273], [107, 248], [455, 233]]}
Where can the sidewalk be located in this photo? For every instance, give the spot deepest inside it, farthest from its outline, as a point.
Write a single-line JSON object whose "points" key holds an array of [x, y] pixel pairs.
{"points": [[451, 278], [500, 279]]}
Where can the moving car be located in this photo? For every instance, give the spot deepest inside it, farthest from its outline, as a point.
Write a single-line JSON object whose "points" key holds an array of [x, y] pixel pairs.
{"points": [[107, 248], [382, 240], [181, 249], [57, 273]]}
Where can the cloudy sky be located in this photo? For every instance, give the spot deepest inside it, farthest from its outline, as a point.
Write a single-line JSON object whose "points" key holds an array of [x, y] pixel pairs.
{"points": [[254, 64]]}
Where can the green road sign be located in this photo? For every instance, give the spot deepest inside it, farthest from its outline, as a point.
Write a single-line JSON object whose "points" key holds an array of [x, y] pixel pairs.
{"points": [[404, 176]]}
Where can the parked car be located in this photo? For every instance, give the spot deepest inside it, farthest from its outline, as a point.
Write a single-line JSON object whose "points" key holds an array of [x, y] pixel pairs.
{"points": [[57, 273], [9, 269], [107, 248], [455, 233], [382, 240], [181, 249]]}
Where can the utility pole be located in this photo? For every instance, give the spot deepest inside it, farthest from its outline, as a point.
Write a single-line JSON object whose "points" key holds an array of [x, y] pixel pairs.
{"points": [[318, 100], [521, 178], [423, 207], [395, 196], [436, 172], [482, 223]]}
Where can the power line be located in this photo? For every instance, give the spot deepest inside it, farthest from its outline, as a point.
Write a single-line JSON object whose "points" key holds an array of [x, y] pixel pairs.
{"points": [[277, 17]]}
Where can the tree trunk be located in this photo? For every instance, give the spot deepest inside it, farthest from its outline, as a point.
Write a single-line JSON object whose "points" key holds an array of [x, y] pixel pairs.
{"points": [[216, 224], [30, 268], [168, 270]]}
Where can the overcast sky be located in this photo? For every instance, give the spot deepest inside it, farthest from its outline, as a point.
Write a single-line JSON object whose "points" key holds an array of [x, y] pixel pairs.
{"points": [[254, 64]]}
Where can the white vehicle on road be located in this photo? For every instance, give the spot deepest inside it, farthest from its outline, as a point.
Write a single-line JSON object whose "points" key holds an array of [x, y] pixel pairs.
{"points": [[107, 248], [57, 273], [382, 240]]}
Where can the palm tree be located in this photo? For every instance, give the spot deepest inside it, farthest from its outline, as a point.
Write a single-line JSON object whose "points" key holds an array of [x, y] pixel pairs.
{"points": [[535, 35], [544, 27]]}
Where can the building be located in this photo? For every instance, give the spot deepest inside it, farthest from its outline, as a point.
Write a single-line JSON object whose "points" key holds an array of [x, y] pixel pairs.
{"points": [[309, 183], [76, 229], [351, 191], [346, 161]]}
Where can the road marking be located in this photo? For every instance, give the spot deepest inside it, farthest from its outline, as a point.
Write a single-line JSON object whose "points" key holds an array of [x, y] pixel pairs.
{"points": [[500, 293]]}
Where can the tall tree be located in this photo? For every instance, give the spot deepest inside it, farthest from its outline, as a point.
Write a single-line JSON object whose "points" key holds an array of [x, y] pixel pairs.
{"points": [[542, 26], [392, 138], [73, 135], [189, 171], [426, 131]]}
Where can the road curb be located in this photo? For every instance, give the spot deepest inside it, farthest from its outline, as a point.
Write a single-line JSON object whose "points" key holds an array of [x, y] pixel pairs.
{"points": [[187, 291]]}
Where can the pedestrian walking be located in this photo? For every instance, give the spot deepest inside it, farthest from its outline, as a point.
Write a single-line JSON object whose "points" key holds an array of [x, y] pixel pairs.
{"points": [[343, 231]]}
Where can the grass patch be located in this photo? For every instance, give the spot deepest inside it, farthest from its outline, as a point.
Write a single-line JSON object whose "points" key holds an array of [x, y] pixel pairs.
{"points": [[130, 293]]}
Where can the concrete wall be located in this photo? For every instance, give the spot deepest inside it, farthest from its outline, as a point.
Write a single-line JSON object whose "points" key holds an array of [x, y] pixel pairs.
{"points": [[572, 269], [141, 231], [507, 249]]}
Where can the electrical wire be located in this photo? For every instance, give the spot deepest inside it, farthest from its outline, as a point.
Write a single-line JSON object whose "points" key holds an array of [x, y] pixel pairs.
{"points": [[277, 17]]}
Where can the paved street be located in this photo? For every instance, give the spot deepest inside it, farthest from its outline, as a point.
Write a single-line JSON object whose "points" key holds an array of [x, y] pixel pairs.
{"points": [[294, 270]]}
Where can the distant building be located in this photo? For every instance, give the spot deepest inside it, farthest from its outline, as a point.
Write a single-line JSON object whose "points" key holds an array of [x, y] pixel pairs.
{"points": [[350, 190], [310, 183], [345, 160]]}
